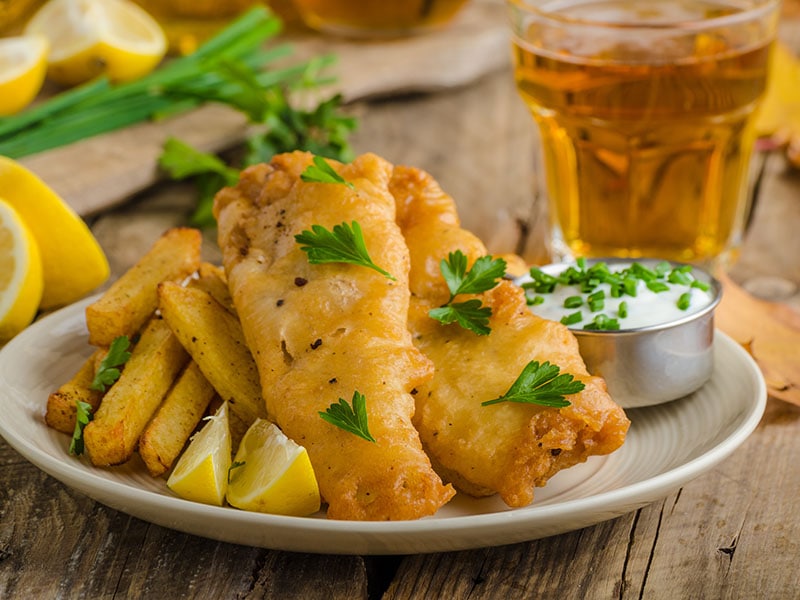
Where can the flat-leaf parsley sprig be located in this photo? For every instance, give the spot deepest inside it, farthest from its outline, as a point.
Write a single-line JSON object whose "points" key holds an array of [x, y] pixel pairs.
{"points": [[350, 418], [541, 384], [483, 276], [322, 172], [344, 244], [108, 371], [83, 414]]}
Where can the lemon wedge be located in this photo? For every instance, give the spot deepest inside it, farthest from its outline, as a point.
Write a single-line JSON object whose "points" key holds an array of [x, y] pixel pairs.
{"points": [[98, 37], [23, 64], [201, 473], [272, 474], [73, 263], [20, 274]]}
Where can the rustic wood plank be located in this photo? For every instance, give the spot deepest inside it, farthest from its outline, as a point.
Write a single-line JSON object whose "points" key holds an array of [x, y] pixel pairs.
{"points": [[55, 542]]}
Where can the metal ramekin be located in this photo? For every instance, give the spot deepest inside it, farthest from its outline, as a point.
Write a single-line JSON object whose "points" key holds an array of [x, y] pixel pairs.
{"points": [[654, 364]]}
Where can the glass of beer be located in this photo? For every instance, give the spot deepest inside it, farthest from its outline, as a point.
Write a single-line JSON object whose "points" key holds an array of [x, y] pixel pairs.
{"points": [[645, 110], [377, 18]]}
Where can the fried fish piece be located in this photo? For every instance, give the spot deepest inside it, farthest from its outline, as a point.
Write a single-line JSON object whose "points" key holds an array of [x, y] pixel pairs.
{"points": [[320, 332], [506, 448]]}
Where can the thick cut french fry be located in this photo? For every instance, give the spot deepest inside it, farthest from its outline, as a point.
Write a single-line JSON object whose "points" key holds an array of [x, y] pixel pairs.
{"points": [[131, 300], [214, 339], [61, 404], [176, 419], [111, 437], [211, 278]]}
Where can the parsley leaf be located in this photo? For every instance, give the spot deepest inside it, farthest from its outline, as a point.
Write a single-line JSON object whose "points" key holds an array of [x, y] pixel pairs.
{"points": [[483, 276], [181, 161], [322, 172], [541, 384], [235, 465], [345, 244], [108, 371], [83, 415], [470, 315], [350, 418]]}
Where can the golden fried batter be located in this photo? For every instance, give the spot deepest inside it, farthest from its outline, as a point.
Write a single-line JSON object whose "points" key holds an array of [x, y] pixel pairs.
{"points": [[318, 332], [506, 448]]}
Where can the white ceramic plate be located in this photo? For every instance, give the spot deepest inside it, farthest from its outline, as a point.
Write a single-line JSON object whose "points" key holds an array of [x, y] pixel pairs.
{"points": [[667, 446]]}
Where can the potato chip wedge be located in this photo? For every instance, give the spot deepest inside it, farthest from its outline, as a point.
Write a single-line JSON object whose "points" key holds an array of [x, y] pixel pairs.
{"points": [[61, 404], [211, 279], [175, 420], [132, 299], [129, 404], [214, 339]]}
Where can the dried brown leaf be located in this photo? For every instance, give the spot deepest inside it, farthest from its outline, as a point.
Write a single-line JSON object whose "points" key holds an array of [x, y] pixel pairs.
{"points": [[770, 332]]}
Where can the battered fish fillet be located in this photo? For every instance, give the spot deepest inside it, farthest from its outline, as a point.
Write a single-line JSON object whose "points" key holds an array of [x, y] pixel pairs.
{"points": [[319, 332], [506, 448]]}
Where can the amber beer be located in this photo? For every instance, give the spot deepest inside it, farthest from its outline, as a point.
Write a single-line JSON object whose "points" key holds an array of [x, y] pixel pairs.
{"points": [[646, 126]]}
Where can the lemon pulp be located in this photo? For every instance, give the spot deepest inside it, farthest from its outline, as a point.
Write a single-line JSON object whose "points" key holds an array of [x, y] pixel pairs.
{"points": [[201, 473], [20, 274], [89, 38], [272, 474], [23, 64]]}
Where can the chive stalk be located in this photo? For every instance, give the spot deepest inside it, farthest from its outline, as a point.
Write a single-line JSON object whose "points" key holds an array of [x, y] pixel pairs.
{"points": [[99, 107]]}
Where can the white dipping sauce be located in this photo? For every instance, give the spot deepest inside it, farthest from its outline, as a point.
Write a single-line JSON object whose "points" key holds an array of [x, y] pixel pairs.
{"points": [[646, 308]]}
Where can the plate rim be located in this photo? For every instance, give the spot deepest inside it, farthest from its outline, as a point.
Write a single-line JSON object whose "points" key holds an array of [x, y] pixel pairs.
{"points": [[366, 534]]}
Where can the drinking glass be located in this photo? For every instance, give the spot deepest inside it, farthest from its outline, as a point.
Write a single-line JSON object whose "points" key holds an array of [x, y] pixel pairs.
{"points": [[646, 111]]}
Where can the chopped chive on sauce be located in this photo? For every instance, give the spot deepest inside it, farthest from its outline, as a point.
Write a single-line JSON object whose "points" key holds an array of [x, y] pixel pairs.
{"points": [[615, 296]]}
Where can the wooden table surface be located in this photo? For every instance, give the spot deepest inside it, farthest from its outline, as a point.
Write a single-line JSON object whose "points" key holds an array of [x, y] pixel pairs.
{"points": [[733, 532]]}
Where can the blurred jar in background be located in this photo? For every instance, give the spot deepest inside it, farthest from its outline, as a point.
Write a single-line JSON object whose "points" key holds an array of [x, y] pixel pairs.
{"points": [[377, 18], [188, 23], [15, 13]]}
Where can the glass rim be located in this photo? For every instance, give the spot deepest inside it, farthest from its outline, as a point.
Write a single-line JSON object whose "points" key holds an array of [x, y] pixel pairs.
{"points": [[746, 14]]}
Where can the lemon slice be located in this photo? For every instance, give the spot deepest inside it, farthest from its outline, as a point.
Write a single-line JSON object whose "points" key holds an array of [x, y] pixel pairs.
{"points": [[95, 37], [272, 474], [201, 473], [20, 274], [23, 64], [73, 264]]}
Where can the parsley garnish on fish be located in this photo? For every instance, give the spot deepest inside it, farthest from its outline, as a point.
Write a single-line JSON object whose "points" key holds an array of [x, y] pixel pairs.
{"points": [[350, 418], [483, 276], [322, 172], [108, 371], [344, 244], [83, 415], [541, 384]]}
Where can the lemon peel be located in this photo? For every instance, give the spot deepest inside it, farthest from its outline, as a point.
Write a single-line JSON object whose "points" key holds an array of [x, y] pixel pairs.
{"points": [[73, 263], [201, 473], [90, 38], [273, 474], [20, 274]]}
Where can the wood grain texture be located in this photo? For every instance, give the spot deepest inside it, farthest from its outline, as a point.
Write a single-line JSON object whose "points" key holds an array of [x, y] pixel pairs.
{"points": [[56, 543]]}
